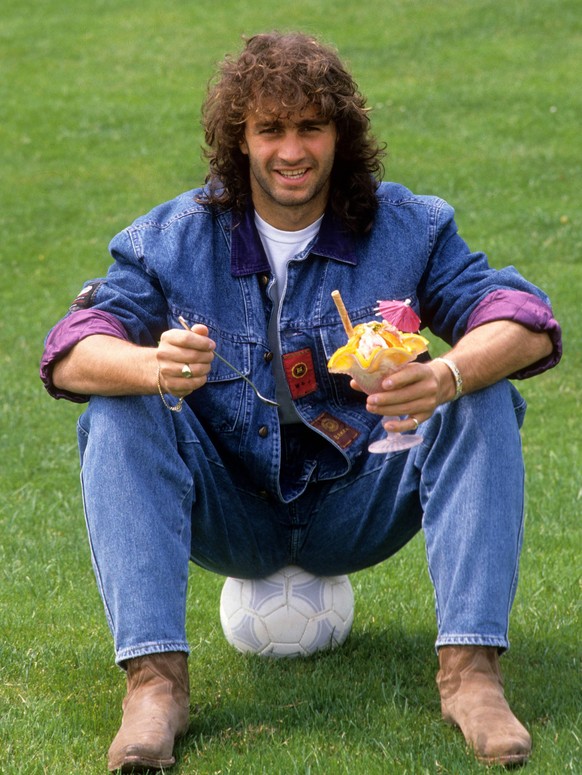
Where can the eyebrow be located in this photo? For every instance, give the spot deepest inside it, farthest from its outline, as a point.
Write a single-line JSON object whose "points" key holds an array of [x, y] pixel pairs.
{"points": [[266, 123]]}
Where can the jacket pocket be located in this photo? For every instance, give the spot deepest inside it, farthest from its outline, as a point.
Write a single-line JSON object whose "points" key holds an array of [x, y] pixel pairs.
{"points": [[219, 404]]}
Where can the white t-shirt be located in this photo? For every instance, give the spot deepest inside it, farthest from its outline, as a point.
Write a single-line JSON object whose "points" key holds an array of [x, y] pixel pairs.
{"points": [[281, 247]]}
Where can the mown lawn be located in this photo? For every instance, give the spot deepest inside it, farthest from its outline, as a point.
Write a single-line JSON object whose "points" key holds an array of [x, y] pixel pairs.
{"points": [[480, 103]]}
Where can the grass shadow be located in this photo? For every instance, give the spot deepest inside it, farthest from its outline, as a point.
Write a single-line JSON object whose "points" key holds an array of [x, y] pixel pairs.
{"points": [[377, 691]]}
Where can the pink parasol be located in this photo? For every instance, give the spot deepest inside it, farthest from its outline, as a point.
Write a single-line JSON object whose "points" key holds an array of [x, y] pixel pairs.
{"points": [[399, 314]]}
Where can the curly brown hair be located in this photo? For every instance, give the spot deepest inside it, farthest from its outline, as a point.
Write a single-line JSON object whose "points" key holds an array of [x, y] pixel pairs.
{"points": [[293, 71]]}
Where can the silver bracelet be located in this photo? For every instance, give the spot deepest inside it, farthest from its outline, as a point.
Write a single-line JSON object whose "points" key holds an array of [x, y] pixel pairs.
{"points": [[456, 375]]}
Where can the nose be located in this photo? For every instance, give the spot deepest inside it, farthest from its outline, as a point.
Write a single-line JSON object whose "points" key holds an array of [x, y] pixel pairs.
{"points": [[291, 147]]}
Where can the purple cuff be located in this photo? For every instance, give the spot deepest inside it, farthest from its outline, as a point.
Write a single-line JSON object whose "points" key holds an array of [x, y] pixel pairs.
{"points": [[529, 311], [65, 335]]}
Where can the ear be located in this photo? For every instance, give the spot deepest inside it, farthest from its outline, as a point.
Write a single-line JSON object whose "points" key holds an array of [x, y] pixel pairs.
{"points": [[244, 149]]}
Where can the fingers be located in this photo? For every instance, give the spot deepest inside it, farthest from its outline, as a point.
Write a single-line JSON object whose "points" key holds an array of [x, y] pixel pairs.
{"points": [[194, 339], [400, 426], [412, 391], [184, 360], [175, 380]]}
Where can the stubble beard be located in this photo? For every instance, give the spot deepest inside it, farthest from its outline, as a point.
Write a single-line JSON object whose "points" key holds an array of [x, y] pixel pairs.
{"points": [[269, 193]]}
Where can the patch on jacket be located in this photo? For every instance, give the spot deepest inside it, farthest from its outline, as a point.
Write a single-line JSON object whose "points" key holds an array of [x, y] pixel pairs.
{"points": [[335, 429], [86, 297], [300, 373]]}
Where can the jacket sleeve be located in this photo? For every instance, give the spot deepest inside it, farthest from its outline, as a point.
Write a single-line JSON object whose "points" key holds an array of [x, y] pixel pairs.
{"points": [[77, 325], [127, 304], [528, 310], [459, 291]]}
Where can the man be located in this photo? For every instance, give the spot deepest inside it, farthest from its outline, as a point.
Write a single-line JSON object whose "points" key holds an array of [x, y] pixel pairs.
{"points": [[182, 462]]}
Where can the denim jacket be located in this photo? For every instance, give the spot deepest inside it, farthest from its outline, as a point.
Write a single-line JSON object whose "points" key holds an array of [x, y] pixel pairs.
{"points": [[184, 259]]}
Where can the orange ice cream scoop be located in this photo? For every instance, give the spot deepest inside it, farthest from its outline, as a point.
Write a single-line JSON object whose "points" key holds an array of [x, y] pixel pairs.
{"points": [[375, 350]]}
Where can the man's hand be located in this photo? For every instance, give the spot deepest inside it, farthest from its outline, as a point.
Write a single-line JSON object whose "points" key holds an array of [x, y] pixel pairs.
{"points": [[415, 391], [178, 348]]}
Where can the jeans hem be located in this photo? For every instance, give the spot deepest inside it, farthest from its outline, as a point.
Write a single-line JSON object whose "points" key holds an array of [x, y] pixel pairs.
{"points": [[122, 655], [472, 640]]}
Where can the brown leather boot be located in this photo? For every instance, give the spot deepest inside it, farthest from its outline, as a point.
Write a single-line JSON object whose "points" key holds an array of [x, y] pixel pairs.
{"points": [[156, 711], [471, 690]]}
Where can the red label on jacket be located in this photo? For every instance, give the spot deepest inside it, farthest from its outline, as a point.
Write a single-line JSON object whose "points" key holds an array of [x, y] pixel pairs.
{"points": [[337, 430], [300, 373]]}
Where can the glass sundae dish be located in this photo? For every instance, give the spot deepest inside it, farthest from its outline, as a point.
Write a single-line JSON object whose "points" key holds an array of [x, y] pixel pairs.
{"points": [[375, 350]]}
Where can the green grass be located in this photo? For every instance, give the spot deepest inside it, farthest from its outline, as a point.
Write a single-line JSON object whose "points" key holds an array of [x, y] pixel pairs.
{"points": [[99, 120]]}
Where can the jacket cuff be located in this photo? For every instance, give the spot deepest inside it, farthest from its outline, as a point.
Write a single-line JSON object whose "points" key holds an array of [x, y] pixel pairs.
{"points": [[528, 310], [65, 335]]}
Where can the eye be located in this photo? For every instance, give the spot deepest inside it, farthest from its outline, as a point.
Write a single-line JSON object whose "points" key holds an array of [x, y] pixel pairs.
{"points": [[270, 130]]}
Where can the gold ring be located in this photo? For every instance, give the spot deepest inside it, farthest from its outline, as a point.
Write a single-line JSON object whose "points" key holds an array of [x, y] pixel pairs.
{"points": [[415, 421], [186, 371]]}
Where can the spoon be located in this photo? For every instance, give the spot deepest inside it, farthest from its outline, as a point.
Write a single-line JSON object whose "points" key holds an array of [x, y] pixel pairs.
{"points": [[262, 398]]}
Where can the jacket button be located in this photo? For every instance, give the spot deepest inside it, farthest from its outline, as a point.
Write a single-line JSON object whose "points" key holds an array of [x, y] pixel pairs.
{"points": [[263, 431], [268, 357], [264, 278]]}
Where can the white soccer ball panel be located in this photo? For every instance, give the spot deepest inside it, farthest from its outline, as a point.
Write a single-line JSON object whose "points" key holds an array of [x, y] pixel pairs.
{"points": [[285, 624], [279, 650], [343, 601], [311, 595], [324, 633], [263, 595], [244, 631], [231, 597]]}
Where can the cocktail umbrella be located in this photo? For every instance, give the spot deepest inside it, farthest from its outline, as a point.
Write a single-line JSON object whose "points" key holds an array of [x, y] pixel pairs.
{"points": [[399, 314]]}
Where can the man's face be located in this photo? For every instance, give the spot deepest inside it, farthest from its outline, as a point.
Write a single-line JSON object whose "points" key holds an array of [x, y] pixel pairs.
{"points": [[290, 160]]}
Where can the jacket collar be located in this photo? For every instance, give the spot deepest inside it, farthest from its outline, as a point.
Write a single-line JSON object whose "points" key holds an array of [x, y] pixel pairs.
{"points": [[247, 255]]}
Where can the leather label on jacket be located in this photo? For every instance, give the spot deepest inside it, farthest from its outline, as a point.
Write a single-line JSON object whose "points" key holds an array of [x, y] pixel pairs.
{"points": [[337, 430], [300, 373], [86, 297]]}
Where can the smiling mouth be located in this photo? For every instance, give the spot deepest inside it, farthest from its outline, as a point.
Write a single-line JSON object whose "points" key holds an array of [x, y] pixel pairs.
{"points": [[291, 174]]}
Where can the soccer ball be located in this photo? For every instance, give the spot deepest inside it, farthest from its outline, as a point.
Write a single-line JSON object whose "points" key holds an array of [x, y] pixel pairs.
{"points": [[289, 614]]}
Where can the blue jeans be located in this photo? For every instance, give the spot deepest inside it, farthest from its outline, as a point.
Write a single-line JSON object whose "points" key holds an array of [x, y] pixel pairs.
{"points": [[157, 495]]}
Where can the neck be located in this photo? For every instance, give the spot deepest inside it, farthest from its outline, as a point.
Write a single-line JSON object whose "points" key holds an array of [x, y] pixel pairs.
{"points": [[292, 219]]}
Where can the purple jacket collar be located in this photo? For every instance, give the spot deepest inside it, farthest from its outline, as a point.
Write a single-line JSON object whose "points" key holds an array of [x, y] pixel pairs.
{"points": [[247, 255]]}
